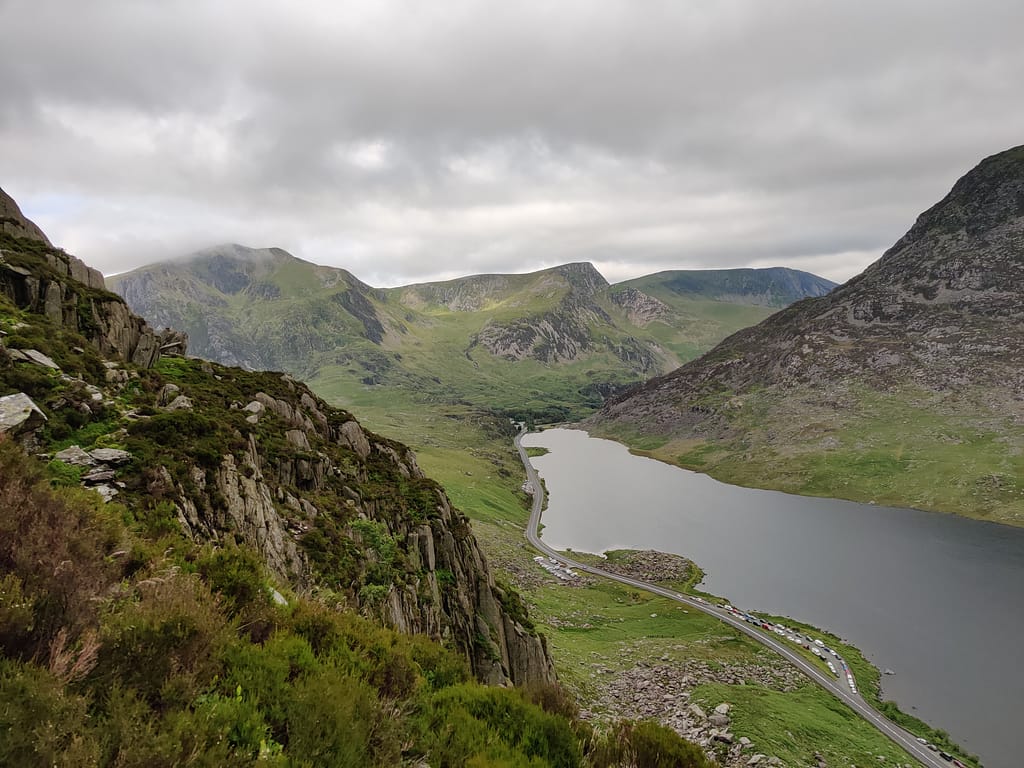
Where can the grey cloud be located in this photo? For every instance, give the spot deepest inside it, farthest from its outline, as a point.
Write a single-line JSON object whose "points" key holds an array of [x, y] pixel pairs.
{"points": [[406, 141]]}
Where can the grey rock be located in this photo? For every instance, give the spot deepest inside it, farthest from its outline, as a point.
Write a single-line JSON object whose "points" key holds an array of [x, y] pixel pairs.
{"points": [[168, 393], [352, 435], [19, 415], [112, 456], [180, 403], [722, 709], [75, 456], [37, 357], [106, 491], [298, 438], [719, 720], [98, 475]]}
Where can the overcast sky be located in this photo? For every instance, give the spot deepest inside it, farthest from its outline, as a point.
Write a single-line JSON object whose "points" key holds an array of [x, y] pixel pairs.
{"points": [[408, 141]]}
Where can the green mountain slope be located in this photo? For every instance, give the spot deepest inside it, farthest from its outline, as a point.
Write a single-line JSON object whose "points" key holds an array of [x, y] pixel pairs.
{"points": [[550, 344], [902, 386]]}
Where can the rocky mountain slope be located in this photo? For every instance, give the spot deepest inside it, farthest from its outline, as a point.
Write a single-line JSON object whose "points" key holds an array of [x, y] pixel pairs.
{"points": [[903, 386], [228, 455], [562, 332]]}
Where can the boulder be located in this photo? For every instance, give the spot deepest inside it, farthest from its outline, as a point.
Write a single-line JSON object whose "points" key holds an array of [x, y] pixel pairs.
{"points": [[75, 456], [33, 356], [98, 475], [697, 712], [111, 456], [168, 392], [722, 709], [19, 415], [180, 403]]}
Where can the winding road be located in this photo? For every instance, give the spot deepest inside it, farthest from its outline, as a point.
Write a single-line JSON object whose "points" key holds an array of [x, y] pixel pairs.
{"points": [[837, 687]]}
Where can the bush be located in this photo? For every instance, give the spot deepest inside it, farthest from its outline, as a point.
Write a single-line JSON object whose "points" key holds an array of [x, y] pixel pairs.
{"points": [[647, 744], [56, 546], [167, 645], [41, 724], [469, 723], [333, 720]]}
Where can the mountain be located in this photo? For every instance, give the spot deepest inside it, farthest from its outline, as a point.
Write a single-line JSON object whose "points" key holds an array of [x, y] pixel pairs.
{"points": [[771, 287], [229, 455], [202, 564], [550, 344], [902, 386]]}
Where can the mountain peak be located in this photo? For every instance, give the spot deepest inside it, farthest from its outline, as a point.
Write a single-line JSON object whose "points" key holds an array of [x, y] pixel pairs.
{"points": [[14, 222], [582, 275]]}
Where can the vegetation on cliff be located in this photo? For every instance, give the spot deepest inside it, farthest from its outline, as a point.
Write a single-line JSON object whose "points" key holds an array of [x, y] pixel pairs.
{"points": [[122, 646]]}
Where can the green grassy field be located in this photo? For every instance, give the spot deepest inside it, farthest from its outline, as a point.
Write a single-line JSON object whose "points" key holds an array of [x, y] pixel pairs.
{"points": [[909, 448]]}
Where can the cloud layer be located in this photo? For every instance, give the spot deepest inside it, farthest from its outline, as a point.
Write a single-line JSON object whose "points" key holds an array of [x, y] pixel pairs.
{"points": [[410, 141]]}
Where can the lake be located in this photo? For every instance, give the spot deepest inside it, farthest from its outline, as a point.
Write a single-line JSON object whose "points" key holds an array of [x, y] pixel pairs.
{"points": [[936, 598]]}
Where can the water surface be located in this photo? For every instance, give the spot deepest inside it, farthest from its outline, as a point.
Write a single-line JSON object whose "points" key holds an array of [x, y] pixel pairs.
{"points": [[936, 598]]}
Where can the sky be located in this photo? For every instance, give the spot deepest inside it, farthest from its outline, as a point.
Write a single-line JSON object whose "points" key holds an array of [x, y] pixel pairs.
{"points": [[412, 141]]}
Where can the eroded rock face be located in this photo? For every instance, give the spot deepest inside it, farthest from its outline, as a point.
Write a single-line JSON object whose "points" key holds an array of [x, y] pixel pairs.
{"points": [[73, 295], [20, 417], [640, 308], [268, 502], [13, 222]]}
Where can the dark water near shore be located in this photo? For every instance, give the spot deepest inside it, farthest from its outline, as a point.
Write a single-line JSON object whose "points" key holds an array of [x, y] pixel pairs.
{"points": [[938, 599]]}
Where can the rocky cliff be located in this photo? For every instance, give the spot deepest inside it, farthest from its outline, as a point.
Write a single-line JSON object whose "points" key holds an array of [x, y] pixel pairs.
{"points": [[45, 280], [934, 328], [255, 458]]}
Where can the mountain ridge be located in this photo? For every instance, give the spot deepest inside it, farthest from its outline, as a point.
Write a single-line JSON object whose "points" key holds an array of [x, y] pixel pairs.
{"points": [[565, 324]]}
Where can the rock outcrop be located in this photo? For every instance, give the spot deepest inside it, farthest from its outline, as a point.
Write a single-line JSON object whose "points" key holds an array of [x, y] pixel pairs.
{"points": [[46, 280], [13, 222], [20, 417]]}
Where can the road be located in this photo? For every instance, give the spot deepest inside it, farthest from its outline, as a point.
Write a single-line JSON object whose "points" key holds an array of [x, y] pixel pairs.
{"points": [[837, 687]]}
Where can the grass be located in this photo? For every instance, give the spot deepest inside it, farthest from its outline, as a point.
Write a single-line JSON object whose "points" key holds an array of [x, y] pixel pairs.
{"points": [[605, 629], [793, 726], [909, 448]]}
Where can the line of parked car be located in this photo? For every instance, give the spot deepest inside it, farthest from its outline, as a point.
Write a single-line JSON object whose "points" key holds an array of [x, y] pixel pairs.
{"points": [[822, 651]]}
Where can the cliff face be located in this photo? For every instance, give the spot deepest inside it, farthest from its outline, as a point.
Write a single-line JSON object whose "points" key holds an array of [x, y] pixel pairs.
{"points": [[256, 458], [44, 280], [330, 505], [13, 222]]}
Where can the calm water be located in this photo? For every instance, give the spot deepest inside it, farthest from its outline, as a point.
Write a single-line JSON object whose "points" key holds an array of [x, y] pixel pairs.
{"points": [[937, 599]]}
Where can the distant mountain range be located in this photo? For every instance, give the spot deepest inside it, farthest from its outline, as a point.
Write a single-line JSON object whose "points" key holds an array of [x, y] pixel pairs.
{"points": [[903, 386], [551, 342]]}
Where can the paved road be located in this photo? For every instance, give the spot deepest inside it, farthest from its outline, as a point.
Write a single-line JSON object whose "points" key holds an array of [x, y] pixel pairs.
{"points": [[837, 687]]}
